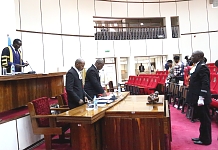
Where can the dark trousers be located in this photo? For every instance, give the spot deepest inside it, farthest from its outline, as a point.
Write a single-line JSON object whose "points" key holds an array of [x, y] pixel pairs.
{"points": [[203, 113]]}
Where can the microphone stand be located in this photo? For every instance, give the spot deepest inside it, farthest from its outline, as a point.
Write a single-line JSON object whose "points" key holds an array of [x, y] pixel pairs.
{"points": [[89, 97], [31, 72]]}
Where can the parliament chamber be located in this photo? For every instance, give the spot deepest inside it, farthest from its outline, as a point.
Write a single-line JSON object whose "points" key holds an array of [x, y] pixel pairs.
{"points": [[127, 34]]}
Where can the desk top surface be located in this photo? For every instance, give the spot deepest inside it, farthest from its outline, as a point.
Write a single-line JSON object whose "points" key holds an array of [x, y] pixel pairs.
{"points": [[125, 103], [138, 103], [30, 76]]}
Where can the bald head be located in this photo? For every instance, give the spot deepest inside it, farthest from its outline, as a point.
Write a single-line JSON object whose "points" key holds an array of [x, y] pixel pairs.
{"points": [[200, 53], [99, 64], [79, 60], [197, 56], [79, 64]]}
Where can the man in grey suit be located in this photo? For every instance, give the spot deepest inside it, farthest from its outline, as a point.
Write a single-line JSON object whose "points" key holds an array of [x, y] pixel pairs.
{"points": [[199, 97], [92, 81], [74, 86]]}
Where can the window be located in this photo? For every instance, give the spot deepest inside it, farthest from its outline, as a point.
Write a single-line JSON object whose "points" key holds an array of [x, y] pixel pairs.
{"points": [[175, 27]]}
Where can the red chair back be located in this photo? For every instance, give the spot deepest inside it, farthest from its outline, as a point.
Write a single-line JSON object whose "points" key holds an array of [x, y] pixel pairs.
{"points": [[210, 64], [64, 97], [162, 79], [213, 69], [145, 81], [42, 107], [131, 79], [155, 82]]}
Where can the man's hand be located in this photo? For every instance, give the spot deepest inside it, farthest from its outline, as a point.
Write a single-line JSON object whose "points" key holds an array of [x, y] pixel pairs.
{"points": [[26, 64], [81, 102], [86, 99], [200, 101], [104, 94]]}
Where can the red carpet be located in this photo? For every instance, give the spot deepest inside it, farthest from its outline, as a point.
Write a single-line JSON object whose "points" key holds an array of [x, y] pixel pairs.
{"points": [[182, 132]]}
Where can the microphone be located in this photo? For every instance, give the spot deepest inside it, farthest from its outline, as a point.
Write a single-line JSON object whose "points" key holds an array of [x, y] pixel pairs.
{"points": [[89, 97], [31, 72]]}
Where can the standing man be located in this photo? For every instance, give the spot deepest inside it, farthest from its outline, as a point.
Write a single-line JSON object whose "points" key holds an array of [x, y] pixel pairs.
{"points": [[199, 97], [178, 69], [74, 87], [141, 68], [166, 66], [92, 81], [12, 55], [188, 61]]}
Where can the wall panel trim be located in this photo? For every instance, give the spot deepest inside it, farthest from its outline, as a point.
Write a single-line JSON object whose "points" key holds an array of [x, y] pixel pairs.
{"points": [[54, 33], [199, 32]]}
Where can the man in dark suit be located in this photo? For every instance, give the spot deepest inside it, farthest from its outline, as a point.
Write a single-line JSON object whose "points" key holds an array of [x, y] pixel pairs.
{"points": [[199, 97], [141, 68], [74, 87], [92, 81]]}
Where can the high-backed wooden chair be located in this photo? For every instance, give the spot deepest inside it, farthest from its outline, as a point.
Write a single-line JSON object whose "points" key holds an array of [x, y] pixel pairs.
{"points": [[43, 122], [62, 100], [111, 86]]}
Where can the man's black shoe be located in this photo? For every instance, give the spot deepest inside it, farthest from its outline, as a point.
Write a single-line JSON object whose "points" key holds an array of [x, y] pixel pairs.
{"points": [[195, 139], [201, 143]]}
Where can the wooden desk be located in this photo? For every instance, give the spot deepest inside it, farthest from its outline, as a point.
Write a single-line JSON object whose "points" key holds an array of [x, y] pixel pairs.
{"points": [[127, 124], [18, 90], [134, 125]]}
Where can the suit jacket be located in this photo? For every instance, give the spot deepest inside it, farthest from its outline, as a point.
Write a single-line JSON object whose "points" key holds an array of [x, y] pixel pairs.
{"points": [[92, 82], [74, 88], [199, 85], [141, 68]]}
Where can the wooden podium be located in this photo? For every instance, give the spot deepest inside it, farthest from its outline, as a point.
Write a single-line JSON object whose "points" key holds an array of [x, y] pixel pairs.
{"points": [[18, 90]]}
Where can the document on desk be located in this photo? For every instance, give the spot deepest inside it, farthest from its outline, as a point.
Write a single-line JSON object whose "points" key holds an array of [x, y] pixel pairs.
{"points": [[105, 100]]}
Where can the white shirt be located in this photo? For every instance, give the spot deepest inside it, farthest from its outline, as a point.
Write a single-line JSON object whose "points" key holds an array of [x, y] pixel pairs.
{"points": [[79, 72], [193, 68]]}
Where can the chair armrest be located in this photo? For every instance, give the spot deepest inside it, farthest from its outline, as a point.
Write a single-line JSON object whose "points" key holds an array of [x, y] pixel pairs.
{"points": [[52, 119], [64, 106], [44, 116], [60, 109]]}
